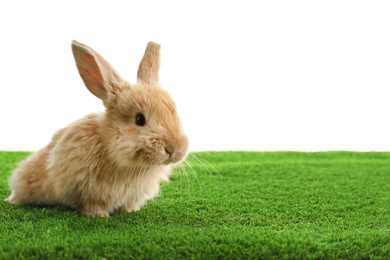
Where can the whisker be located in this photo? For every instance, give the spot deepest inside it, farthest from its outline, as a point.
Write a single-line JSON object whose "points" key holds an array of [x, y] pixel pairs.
{"points": [[139, 177], [192, 170], [183, 168], [180, 172], [203, 162]]}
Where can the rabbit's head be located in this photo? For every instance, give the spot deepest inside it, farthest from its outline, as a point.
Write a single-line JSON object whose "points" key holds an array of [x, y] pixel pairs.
{"points": [[141, 126]]}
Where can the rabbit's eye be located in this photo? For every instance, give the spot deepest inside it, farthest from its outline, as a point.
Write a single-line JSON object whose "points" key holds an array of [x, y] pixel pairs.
{"points": [[140, 119]]}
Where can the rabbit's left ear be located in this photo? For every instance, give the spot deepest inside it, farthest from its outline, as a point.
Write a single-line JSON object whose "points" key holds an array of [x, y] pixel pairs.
{"points": [[98, 75], [150, 64]]}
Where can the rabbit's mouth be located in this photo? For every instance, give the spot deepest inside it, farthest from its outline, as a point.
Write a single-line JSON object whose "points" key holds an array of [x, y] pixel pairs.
{"points": [[170, 161], [160, 152], [163, 157], [175, 157]]}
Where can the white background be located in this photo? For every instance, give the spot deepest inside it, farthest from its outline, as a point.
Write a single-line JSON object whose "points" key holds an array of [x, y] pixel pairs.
{"points": [[246, 75]]}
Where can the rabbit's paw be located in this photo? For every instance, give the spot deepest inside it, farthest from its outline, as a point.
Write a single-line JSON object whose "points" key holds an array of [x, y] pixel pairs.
{"points": [[95, 211], [129, 208], [12, 199]]}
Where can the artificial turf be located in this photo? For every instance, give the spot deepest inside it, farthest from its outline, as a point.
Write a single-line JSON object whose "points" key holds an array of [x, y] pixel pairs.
{"points": [[249, 205]]}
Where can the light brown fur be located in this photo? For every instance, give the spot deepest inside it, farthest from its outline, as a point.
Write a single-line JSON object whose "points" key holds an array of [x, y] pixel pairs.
{"points": [[105, 162]]}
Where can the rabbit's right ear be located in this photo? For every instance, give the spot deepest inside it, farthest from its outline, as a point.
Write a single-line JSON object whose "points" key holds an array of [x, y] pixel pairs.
{"points": [[98, 75], [150, 64]]}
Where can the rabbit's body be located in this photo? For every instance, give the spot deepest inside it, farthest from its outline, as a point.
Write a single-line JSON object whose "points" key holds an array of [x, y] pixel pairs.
{"points": [[106, 162], [61, 174]]}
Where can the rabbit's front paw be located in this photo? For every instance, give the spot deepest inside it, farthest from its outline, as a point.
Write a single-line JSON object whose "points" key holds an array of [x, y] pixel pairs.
{"points": [[128, 208], [95, 211]]}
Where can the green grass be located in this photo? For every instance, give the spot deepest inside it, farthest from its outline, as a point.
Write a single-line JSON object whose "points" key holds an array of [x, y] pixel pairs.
{"points": [[272, 205]]}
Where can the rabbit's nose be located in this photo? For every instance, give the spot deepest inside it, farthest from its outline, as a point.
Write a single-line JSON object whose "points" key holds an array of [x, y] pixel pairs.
{"points": [[169, 150]]}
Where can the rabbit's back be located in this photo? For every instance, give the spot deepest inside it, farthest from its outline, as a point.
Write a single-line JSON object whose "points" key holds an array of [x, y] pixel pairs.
{"points": [[35, 179]]}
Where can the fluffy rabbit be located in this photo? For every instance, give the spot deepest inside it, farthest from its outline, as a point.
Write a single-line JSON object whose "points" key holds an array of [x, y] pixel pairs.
{"points": [[112, 161]]}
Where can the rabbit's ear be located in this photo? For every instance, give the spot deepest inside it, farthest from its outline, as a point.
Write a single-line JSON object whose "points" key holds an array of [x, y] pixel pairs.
{"points": [[98, 75], [150, 64]]}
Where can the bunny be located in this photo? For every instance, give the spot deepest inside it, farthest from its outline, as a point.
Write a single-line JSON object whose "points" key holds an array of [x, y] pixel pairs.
{"points": [[110, 161]]}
